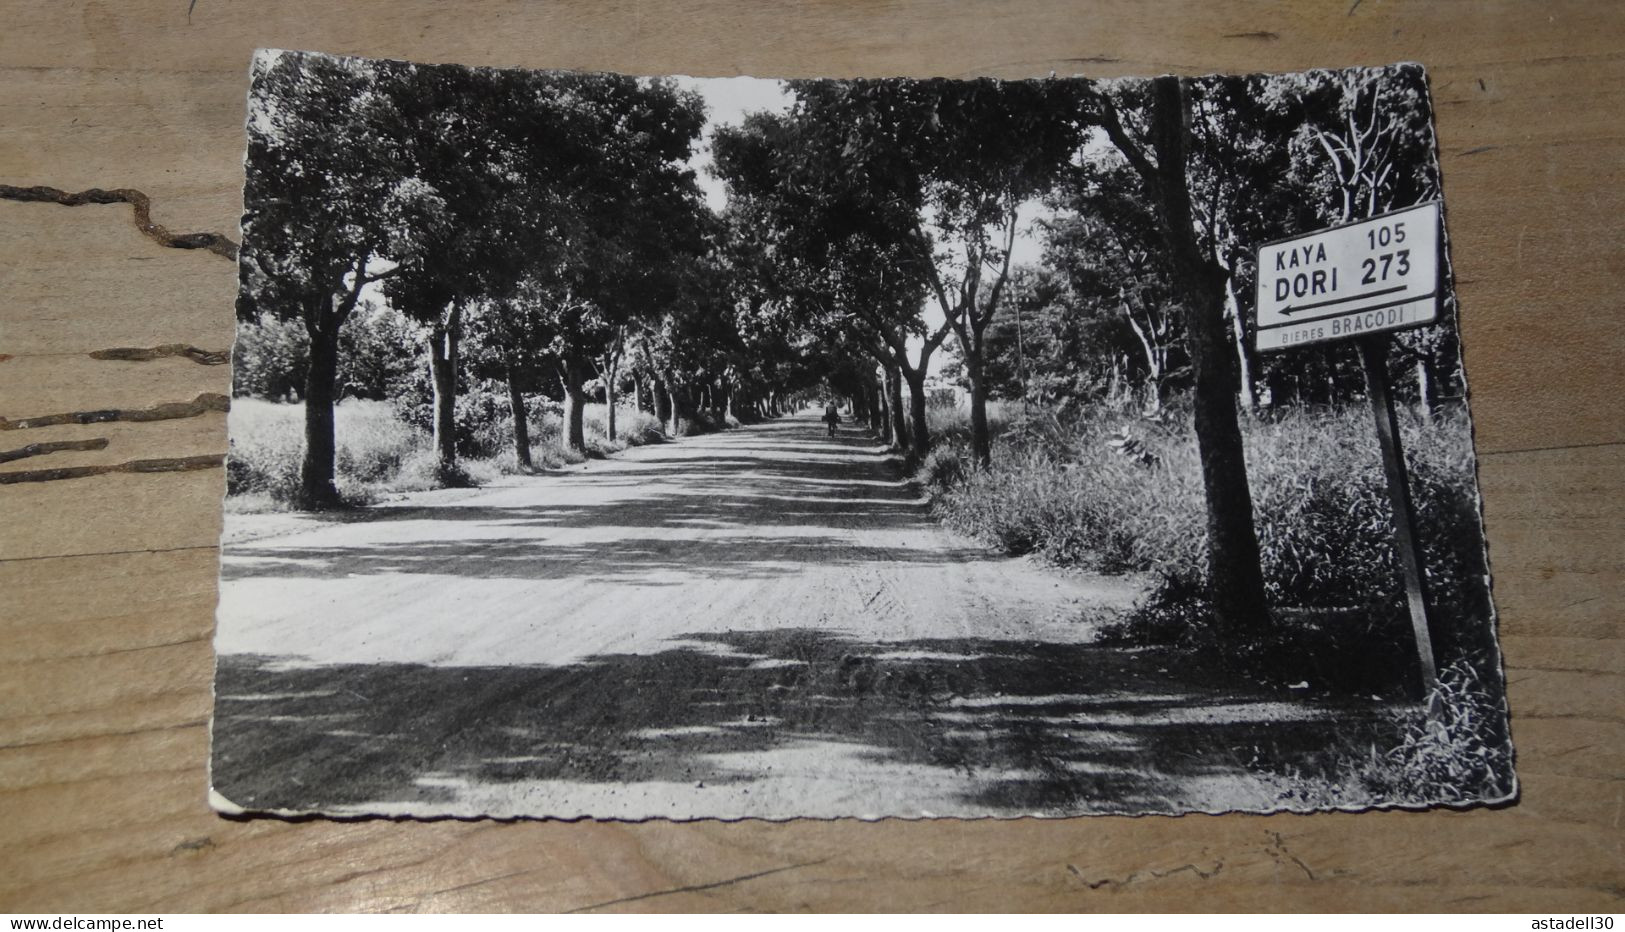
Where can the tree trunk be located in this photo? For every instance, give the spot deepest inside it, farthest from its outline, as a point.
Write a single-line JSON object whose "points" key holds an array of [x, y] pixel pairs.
{"points": [[443, 374], [521, 422], [660, 400], [323, 320], [575, 404], [609, 402], [1235, 576], [673, 407], [877, 409], [894, 404], [317, 490], [919, 431], [1156, 358], [1244, 366], [981, 444]]}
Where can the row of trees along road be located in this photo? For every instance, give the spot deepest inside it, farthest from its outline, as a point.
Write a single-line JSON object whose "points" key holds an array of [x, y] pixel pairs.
{"points": [[555, 217], [551, 215]]}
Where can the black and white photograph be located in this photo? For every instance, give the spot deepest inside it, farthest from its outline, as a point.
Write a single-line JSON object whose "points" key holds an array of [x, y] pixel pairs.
{"points": [[639, 447]]}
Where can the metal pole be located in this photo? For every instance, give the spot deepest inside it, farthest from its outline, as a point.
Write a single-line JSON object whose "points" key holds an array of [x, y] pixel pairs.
{"points": [[1374, 356]]}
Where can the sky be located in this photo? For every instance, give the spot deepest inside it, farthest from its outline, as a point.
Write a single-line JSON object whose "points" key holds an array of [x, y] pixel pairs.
{"points": [[727, 100]]}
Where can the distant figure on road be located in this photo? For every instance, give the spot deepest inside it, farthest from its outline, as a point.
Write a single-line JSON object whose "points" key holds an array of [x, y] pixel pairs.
{"points": [[831, 417]]}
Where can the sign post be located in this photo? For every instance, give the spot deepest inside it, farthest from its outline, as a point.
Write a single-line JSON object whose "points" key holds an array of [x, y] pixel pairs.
{"points": [[1374, 356], [1360, 282]]}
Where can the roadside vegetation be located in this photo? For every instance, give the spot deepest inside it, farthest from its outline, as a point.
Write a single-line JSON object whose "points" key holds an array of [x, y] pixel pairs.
{"points": [[381, 452], [1108, 489], [1114, 491]]}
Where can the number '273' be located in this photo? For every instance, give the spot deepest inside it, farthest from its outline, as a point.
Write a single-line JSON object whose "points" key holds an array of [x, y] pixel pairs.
{"points": [[1398, 262]]}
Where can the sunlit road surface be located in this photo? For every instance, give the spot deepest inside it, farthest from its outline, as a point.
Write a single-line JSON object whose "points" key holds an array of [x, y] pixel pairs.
{"points": [[763, 622]]}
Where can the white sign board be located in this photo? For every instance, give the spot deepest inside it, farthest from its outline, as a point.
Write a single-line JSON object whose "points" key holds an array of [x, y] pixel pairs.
{"points": [[1349, 281]]}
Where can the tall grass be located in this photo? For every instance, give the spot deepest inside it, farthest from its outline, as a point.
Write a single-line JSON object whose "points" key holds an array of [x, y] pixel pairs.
{"points": [[268, 444], [380, 452], [1120, 493]]}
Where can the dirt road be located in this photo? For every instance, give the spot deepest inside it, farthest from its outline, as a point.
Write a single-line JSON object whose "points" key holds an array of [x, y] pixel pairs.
{"points": [[763, 622]]}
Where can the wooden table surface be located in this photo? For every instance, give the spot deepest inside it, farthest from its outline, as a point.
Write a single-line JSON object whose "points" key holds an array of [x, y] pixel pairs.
{"points": [[107, 577]]}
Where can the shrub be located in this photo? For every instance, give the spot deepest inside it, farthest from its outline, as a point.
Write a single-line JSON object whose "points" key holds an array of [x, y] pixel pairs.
{"points": [[633, 428], [950, 424], [1063, 492], [269, 359], [1454, 749], [1175, 613], [379, 355], [484, 423]]}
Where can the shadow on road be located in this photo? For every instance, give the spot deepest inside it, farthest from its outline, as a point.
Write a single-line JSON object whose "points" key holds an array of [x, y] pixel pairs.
{"points": [[1020, 727], [745, 505], [625, 560]]}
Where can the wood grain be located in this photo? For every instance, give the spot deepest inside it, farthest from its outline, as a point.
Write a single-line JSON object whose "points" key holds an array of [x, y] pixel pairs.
{"points": [[107, 584]]}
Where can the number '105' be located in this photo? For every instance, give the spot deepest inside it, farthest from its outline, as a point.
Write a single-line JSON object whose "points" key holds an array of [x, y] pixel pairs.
{"points": [[1385, 235]]}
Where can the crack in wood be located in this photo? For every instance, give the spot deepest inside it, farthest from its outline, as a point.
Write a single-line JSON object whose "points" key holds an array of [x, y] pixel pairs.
{"points": [[1278, 850], [212, 242], [202, 357], [202, 404], [165, 464], [1141, 876], [695, 888], [52, 446]]}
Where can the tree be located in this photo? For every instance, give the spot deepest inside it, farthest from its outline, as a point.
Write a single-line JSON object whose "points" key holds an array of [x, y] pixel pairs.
{"points": [[1235, 574], [324, 220], [631, 222], [838, 242], [510, 337], [1108, 245], [938, 172], [491, 142], [987, 148]]}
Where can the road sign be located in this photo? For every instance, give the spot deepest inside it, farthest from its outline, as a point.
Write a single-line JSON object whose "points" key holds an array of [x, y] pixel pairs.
{"points": [[1359, 281], [1350, 281]]}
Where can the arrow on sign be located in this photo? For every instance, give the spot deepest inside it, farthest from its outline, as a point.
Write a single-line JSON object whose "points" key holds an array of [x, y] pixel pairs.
{"points": [[1291, 309]]}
